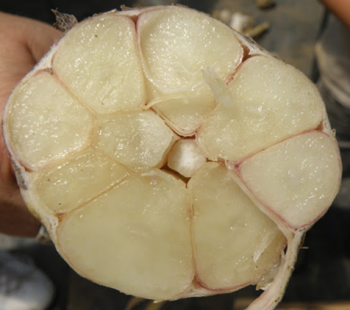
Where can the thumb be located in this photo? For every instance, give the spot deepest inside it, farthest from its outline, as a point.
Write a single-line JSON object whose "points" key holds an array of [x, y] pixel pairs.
{"points": [[22, 43]]}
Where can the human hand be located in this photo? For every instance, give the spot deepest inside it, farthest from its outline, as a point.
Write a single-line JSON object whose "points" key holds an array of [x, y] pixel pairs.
{"points": [[22, 43], [340, 8]]}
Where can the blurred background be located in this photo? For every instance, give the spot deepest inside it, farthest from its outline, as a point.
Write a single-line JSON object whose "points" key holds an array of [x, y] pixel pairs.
{"points": [[321, 281]]}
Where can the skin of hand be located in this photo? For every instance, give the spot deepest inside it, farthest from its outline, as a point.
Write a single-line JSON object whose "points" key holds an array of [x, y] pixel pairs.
{"points": [[340, 8], [22, 44]]}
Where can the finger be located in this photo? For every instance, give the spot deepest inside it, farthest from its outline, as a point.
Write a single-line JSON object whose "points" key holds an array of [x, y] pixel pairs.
{"points": [[22, 43]]}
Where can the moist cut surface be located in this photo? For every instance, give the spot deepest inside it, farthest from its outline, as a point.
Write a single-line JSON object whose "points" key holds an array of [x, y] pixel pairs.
{"points": [[168, 156]]}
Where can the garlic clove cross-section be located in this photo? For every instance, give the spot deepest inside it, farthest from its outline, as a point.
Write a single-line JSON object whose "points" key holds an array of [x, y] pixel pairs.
{"points": [[168, 156]]}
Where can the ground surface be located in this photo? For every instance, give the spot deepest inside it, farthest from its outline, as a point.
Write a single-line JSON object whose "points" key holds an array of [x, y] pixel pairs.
{"points": [[322, 274]]}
